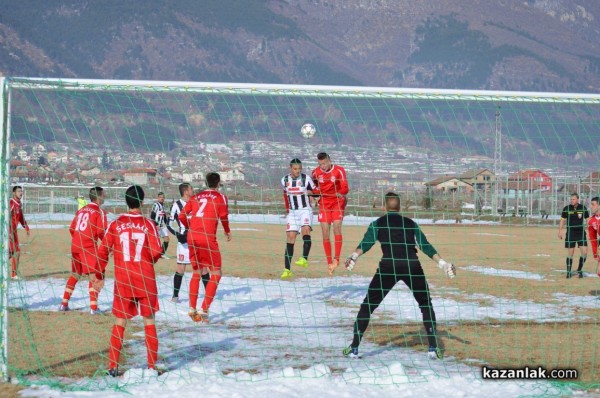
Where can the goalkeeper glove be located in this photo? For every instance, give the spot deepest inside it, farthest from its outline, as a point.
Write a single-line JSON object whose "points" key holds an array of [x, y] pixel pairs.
{"points": [[448, 268], [351, 261]]}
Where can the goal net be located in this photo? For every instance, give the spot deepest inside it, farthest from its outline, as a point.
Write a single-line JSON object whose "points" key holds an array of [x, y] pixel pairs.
{"points": [[486, 175]]}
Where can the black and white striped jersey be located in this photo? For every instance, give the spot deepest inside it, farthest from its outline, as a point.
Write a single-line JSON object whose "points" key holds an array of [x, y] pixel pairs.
{"points": [[175, 210], [295, 191], [158, 214]]}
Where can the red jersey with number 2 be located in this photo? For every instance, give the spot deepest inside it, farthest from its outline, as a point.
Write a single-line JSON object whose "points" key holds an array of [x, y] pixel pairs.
{"points": [[202, 213]]}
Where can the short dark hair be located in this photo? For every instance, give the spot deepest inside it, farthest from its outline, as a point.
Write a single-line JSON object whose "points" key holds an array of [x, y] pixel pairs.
{"points": [[575, 194], [95, 192], [322, 156], [160, 193], [295, 161], [183, 187], [392, 201], [17, 187], [213, 180], [134, 197], [596, 199]]}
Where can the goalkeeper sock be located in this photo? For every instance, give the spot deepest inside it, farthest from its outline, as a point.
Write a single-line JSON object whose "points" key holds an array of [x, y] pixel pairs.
{"points": [[327, 248], [116, 342], [581, 261], [71, 282], [93, 296], [289, 253], [205, 279], [306, 246], [177, 279], [338, 246], [151, 345], [194, 287], [211, 291]]}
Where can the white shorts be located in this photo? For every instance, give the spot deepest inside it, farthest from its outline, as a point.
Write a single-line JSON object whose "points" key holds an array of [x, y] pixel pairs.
{"points": [[296, 219], [183, 253], [163, 232]]}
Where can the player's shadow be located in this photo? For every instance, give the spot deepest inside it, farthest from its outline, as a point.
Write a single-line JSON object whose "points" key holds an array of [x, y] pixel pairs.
{"points": [[182, 356], [415, 340], [240, 310], [595, 293], [228, 292], [340, 292]]}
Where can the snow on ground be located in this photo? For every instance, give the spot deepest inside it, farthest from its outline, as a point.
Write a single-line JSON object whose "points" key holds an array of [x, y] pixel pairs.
{"points": [[285, 339]]}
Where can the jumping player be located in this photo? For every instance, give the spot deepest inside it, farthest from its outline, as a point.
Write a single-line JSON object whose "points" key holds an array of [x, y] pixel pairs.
{"points": [[296, 188], [135, 244], [332, 186], [200, 217], [87, 228], [16, 217]]}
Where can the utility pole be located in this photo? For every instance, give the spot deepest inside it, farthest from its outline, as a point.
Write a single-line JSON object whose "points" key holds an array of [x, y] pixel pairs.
{"points": [[496, 202]]}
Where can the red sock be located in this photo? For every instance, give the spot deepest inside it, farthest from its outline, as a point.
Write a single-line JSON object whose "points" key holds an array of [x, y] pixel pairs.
{"points": [[194, 288], [71, 282], [338, 246], [151, 345], [327, 247], [116, 342], [13, 262], [93, 297], [211, 291]]}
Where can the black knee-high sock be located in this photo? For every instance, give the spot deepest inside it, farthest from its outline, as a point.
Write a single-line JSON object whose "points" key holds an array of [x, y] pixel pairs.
{"points": [[306, 246], [177, 278], [581, 261], [289, 253], [205, 279], [165, 245], [569, 266]]}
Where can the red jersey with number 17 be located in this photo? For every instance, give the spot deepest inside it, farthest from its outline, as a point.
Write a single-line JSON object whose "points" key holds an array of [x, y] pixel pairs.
{"points": [[134, 242], [87, 227], [329, 184], [594, 232], [202, 213]]}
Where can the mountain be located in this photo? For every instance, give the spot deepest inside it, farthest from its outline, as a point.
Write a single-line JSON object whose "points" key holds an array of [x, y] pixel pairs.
{"points": [[534, 45]]}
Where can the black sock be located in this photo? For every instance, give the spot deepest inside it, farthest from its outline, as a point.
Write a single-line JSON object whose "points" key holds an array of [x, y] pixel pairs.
{"points": [[205, 279], [289, 253], [165, 245], [569, 266], [177, 278], [306, 246], [581, 261]]}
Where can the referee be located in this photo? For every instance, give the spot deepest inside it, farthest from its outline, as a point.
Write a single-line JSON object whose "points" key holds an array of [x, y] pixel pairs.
{"points": [[576, 215], [399, 237]]}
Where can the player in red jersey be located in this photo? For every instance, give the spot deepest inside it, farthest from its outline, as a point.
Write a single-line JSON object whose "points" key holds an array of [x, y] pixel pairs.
{"points": [[332, 186], [201, 217], [594, 229], [87, 228], [16, 218], [136, 247]]}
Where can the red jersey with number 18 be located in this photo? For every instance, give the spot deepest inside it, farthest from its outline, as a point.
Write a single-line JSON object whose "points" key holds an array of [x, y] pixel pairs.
{"points": [[135, 244], [204, 210], [87, 227]]}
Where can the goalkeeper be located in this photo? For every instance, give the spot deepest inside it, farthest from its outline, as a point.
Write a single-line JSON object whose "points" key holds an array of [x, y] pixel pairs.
{"points": [[399, 237]]}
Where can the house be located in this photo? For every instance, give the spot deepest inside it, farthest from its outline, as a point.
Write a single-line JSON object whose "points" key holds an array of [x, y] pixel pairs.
{"points": [[141, 176], [449, 184], [530, 180], [592, 181], [482, 179], [90, 172], [231, 175]]}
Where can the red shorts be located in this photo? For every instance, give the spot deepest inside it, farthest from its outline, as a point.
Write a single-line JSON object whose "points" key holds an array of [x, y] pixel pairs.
{"points": [[205, 254], [128, 307], [84, 263], [330, 214], [13, 244]]}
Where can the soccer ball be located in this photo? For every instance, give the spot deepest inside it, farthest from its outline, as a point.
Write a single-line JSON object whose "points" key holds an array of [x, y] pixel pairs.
{"points": [[308, 130]]}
